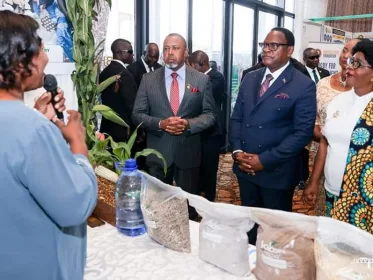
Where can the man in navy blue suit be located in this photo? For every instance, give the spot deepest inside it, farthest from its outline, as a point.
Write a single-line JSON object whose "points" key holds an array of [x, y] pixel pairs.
{"points": [[272, 121]]}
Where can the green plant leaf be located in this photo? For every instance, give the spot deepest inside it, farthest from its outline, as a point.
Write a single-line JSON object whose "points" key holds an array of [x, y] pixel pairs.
{"points": [[133, 137], [147, 152], [109, 114], [90, 132], [102, 86]]}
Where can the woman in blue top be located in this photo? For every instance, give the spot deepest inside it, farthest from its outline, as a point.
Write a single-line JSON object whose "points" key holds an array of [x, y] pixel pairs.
{"points": [[47, 186]]}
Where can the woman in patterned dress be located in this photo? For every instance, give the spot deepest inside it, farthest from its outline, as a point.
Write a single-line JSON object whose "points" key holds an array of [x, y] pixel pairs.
{"points": [[346, 145], [327, 88]]}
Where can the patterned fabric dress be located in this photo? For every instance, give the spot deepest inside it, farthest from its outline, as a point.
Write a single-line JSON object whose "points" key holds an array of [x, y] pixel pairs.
{"points": [[354, 204], [324, 94]]}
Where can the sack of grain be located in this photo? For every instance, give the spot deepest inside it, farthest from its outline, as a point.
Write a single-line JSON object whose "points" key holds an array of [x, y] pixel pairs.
{"points": [[343, 252], [284, 247], [165, 212], [223, 238]]}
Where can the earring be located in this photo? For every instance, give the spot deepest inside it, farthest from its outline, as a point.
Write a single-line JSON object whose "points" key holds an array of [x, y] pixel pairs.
{"points": [[371, 80]]}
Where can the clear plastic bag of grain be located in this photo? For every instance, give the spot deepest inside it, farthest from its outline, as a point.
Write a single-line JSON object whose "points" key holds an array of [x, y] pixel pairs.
{"points": [[343, 252], [165, 212], [223, 239], [284, 246]]}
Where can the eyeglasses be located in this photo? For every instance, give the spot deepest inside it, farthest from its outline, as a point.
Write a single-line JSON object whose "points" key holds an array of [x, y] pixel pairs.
{"points": [[271, 46], [356, 64], [127, 51], [314, 57]]}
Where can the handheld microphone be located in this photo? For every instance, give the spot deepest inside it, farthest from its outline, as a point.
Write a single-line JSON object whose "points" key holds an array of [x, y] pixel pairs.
{"points": [[50, 84]]}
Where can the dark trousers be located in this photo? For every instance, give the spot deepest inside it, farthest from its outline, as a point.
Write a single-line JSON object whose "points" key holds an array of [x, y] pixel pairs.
{"points": [[256, 196], [209, 165], [186, 179]]}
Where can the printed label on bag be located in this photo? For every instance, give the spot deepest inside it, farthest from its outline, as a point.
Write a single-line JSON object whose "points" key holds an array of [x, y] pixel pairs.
{"points": [[216, 238], [281, 264], [150, 224]]}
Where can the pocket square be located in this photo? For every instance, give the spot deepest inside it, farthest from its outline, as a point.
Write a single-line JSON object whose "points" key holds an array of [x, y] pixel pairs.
{"points": [[282, 96]]}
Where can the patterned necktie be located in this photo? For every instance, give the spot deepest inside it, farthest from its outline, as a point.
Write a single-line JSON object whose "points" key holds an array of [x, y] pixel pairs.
{"points": [[174, 94], [315, 76], [265, 85]]}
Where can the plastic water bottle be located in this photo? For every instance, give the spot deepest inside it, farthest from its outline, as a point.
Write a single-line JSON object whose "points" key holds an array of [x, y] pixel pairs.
{"points": [[129, 219]]}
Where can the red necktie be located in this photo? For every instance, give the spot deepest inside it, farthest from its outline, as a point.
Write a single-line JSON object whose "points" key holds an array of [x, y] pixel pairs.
{"points": [[265, 85], [174, 94]]}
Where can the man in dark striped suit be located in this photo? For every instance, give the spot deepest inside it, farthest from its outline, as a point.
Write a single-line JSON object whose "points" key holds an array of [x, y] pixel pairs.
{"points": [[175, 104]]}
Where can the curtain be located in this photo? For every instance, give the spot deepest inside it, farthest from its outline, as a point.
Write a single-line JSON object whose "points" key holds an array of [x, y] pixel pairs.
{"points": [[99, 27], [350, 7]]}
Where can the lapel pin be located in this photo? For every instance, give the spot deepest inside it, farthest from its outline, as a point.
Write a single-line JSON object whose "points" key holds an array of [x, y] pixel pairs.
{"points": [[188, 86], [284, 80]]}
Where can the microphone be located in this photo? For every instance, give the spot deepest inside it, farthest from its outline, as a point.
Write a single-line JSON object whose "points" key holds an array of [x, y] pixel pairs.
{"points": [[50, 84]]}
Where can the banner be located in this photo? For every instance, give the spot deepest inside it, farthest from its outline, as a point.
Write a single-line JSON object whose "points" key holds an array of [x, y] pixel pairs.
{"points": [[329, 58], [56, 32], [334, 35]]}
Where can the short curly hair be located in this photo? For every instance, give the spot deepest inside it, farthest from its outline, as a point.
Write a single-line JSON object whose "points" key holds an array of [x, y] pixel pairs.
{"points": [[366, 47], [19, 44]]}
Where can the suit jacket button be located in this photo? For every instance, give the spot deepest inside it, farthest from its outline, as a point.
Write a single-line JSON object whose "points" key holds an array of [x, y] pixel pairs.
{"points": [[278, 109], [259, 126], [248, 125], [259, 146]]}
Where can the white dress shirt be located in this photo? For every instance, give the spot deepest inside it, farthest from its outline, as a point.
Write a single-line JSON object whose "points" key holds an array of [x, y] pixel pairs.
{"points": [[208, 71], [310, 71], [180, 78], [120, 62], [147, 68], [275, 74], [342, 114]]}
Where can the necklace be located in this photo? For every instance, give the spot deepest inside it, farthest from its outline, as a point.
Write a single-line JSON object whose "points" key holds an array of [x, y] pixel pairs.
{"points": [[343, 83]]}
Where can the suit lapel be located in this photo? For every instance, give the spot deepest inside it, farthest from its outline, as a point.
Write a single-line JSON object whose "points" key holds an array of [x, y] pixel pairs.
{"points": [[257, 84], [284, 78], [162, 88], [188, 81]]}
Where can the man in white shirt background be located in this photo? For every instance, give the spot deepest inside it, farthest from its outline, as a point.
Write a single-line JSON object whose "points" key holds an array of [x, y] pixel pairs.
{"points": [[148, 62], [311, 61]]}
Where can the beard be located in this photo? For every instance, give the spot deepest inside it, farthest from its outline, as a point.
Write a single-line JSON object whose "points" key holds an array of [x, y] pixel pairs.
{"points": [[171, 65]]}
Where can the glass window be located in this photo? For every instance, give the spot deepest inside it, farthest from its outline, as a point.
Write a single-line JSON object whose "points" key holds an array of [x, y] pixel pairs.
{"points": [[165, 17], [267, 21], [121, 24], [278, 3], [208, 14], [242, 46], [289, 23], [289, 6]]}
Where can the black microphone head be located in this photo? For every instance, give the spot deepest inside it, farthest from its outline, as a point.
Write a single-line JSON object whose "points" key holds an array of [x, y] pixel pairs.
{"points": [[50, 82]]}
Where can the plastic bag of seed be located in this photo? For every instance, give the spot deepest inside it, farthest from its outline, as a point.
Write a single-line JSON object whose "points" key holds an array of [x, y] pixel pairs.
{"points": [[223, 239], [343, 251], [284, 246], [165, 212]]}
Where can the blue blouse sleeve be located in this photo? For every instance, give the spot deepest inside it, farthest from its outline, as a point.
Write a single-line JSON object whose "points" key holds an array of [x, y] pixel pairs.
{"points": [[63, 184]]}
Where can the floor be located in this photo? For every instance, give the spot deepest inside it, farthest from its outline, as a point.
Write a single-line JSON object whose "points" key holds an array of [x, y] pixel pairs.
{"points": [[228, 191]]}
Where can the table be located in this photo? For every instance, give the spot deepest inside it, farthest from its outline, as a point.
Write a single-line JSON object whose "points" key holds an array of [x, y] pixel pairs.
{"points": [[113, 256]]}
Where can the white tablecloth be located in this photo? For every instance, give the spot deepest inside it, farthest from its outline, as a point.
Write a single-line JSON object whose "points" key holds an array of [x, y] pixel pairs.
{"points": [[113, 256]]}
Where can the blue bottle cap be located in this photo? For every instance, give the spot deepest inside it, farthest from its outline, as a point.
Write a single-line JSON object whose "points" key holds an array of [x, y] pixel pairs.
{"points": [[130, 164]]}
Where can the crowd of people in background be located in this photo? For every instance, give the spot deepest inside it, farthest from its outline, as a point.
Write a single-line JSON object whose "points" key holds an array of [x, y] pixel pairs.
{"points": [[277, 122]]}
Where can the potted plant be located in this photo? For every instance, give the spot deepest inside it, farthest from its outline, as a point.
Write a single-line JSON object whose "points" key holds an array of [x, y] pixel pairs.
{"points": [[85, 78]]}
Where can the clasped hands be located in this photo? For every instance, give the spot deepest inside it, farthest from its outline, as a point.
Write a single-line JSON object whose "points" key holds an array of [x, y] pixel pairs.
{"points": [[248, 163], [174, 125]]}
